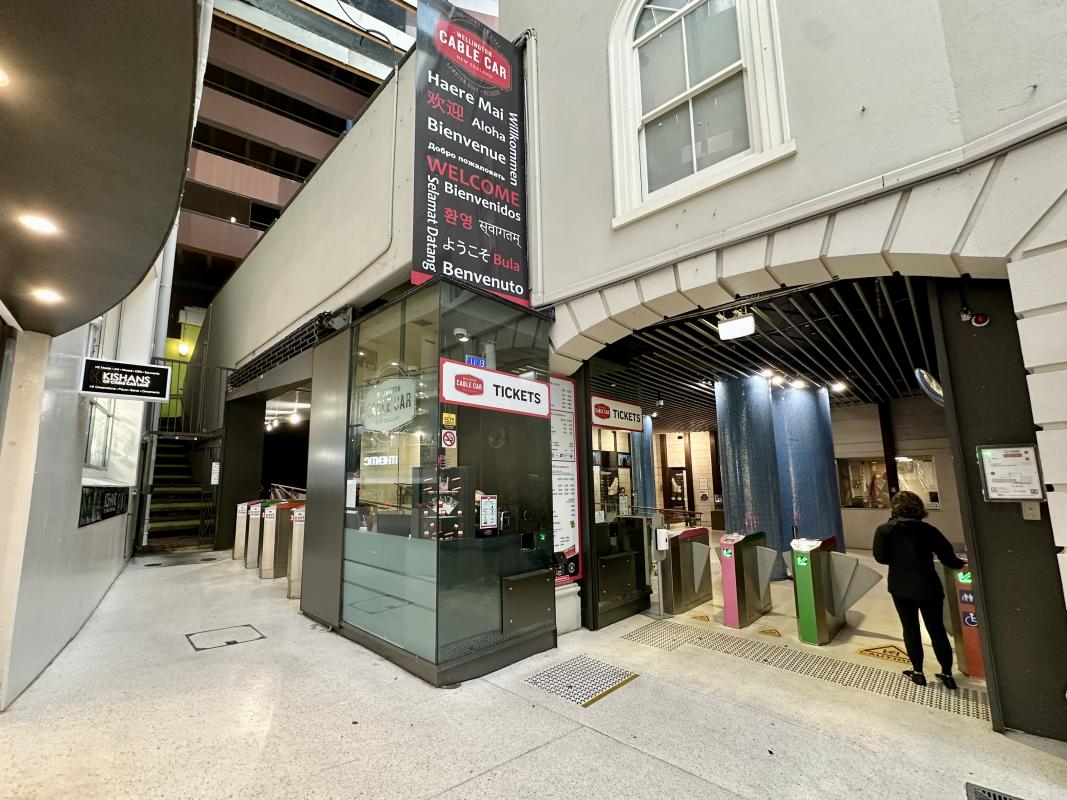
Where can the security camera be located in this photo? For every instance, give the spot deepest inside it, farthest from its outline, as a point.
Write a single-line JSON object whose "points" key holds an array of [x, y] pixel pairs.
{"points": [[461, 334]]}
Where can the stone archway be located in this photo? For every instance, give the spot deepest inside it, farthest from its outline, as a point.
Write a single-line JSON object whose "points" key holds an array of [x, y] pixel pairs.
{"points": [[1004, 217]]}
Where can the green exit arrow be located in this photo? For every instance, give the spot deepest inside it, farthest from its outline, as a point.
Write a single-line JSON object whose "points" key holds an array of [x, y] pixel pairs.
{"points": [[965, 577], [802, 561], [727, 553]]}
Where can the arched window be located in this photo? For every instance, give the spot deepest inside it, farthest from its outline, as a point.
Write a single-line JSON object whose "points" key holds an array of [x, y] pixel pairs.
{"points": [[696, 100]]}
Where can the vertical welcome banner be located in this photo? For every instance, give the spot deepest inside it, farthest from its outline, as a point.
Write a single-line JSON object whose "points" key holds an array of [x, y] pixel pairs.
{"points": [[470, 151]]}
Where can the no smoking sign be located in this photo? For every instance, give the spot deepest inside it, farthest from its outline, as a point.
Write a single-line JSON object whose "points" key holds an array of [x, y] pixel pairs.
{"points": [[448, 438]]}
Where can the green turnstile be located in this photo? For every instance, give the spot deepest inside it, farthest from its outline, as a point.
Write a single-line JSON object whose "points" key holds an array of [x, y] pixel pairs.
{"points": [[826, 584]]}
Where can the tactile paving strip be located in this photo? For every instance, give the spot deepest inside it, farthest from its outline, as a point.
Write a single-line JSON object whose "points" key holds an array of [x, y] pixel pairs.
{"points": [[581, 680], [982, 793], [667, 635]]}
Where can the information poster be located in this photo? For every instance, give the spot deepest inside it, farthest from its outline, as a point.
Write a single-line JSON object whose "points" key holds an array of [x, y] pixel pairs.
{"points": [[567, 536], [1010, 473], [470, 148]]}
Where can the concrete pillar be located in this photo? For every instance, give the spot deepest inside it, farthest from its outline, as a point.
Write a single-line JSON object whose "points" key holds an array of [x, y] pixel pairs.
{"points": [[643, 466], [18, 459], [749, 460], [807, 474]]}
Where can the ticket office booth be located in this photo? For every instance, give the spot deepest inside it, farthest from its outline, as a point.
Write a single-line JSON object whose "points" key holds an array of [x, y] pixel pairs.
{"points": [[447, 543], [618, 582]]}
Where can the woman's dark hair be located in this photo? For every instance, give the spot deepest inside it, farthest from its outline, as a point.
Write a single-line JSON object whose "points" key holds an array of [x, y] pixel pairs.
{"points": [[908, 505]]}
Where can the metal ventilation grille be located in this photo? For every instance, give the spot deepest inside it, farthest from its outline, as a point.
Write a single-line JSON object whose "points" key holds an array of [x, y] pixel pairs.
{"points": [[581, 680], [981, 793], [667, 635]]}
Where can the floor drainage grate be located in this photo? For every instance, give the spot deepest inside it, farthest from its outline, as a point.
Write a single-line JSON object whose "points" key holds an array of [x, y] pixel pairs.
{"points": [[223, 637], [981, 793], [179, 562], [667, 636], [581, 680]]}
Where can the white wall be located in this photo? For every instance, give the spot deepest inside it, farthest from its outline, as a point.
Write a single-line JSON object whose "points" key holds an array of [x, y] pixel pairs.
{"points": [[334, 244], [58, 571], [920, 430], [871, 88], [53, 573]]}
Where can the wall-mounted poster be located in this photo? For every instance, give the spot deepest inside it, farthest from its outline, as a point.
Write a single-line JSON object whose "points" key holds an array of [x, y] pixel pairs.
{"points": [[567, 532], [470, 150], [1010, 473]]}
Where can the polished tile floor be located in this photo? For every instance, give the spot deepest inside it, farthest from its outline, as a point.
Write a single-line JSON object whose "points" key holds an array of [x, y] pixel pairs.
{"points": [[131, 710]]}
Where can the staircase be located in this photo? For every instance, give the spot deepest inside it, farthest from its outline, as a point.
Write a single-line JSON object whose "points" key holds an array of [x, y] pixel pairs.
{"points": [[182, 511]]}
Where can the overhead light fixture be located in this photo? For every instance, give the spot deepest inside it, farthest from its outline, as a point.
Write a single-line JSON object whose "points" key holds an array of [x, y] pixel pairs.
{"points": [[48, 296], [737, 326], [4, 80], [184, 348], [654, 414], [233, 219], [798, 384], [361, 353], [461, 334], [903, 459], [777, 380], [38, 224], [838, 387], [275, 423], [767, 373], [295, 418]]}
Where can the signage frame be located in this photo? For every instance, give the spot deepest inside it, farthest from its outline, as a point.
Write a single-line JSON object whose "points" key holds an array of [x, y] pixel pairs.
{"points": [[988, 494], [596, 424], [545, 385], [470, 218], [131, 366]]}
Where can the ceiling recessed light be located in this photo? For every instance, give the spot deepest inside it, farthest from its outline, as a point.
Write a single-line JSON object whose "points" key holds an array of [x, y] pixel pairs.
{"points": [[184, 348], [838, 387], [46, 295], [4, 80], [798, 384], [777, 380], [38, 224], [295, 418], [767, 373]]}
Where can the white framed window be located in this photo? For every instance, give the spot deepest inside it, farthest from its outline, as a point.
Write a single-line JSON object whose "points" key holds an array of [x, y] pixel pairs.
{"points": [[101, 410], [697, 98]]}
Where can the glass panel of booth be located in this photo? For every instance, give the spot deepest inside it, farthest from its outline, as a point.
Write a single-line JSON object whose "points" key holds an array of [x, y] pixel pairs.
{"points": [[420, 572], [612, 474], [390, 553], [496, 453], [862, 481]]}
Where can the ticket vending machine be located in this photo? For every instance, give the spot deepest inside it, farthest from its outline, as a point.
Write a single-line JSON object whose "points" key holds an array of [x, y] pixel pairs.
{"points": [[962, 619], [826, 584], [747, 564], [255, 532], [277, 531], [240, 531]]}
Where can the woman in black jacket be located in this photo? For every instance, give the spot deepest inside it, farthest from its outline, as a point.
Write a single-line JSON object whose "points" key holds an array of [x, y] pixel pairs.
{"points": [[907, 545]]}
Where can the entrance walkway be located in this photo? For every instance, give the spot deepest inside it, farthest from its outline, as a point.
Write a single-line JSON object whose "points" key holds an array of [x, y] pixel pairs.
{"points": [[131, 710]]}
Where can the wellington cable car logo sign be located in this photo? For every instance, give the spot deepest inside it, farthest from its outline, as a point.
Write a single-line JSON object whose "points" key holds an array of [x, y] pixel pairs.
{"points": [[464, 385], [601, 411], [611, 413], [473, 53], [470, 384], [389, 405]]}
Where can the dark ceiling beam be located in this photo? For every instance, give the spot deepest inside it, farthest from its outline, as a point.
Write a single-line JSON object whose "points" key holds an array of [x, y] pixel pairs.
{"points": [[866, 391], [896, 324], [812, 369], [892, 391], [829, 377], [918, 322], [860, 360], [881, 334]]}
